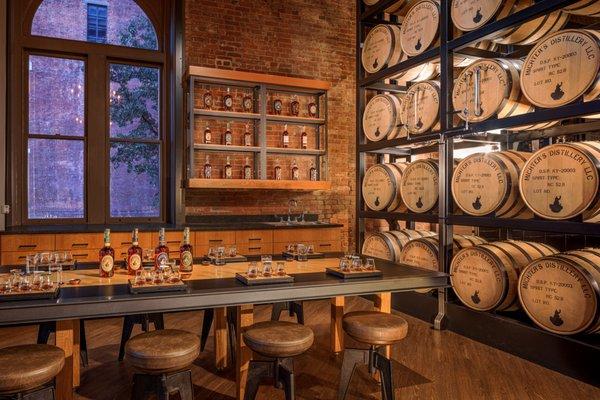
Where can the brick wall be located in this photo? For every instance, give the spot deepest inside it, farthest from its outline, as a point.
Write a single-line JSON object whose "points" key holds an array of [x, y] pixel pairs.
{"points": [[300, 38]]}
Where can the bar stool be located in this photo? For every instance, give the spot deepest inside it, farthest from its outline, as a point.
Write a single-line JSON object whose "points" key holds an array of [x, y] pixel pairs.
{"points": [[26, 370], [162, 359], [376, 329], [278, 342], [129, 321]]}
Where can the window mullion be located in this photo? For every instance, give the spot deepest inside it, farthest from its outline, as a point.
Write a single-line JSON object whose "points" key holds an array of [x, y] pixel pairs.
{"points": [[97, 139]]}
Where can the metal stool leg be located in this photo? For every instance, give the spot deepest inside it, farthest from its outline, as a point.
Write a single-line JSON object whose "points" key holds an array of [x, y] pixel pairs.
{"points": [[128, 323], [158, 320], [285, 377], [278, 309], [298, 308], [256, 372], [207, 321], [384, 365], [44, 331], [352, 357], [83, 343], [181, 382]]}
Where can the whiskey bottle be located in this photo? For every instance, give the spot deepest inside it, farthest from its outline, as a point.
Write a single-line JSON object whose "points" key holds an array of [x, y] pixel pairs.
{"points": [[228, 101], [207, 135], [247, 169], [228, 170], [134, 254], [228, 136], [304, 143], [107, 257], [161, 252], [295, 171], [313, 174], [247, 137], [186, 255], [285, 137], [207, 169], [277, 171]]}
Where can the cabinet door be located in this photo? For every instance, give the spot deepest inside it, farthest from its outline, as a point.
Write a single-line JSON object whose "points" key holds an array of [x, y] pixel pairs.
{"points": [[305, 235], [254, 237], [31, 243], [13, 257], [214, 238], [252, 249], [79, 241]]}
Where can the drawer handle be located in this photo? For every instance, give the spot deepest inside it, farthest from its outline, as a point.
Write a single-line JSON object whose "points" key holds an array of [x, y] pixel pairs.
{"points": [[27, 246], [254, 239], [254, 248], [173, 241], [324, 244], [215, 240], [79, 245], [124, 243], [80, 255], [21, 257]]}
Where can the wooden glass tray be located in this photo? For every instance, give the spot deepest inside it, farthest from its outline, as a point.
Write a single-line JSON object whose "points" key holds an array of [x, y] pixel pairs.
{"points": [[30, 294], [353, 274], [152, 288], [238, 258], [309, 256], [261, 280]]}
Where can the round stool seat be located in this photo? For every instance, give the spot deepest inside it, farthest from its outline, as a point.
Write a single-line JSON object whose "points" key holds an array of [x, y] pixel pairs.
{"points": [[162, 351], [29, 366], [374, 327], [279, 339]]}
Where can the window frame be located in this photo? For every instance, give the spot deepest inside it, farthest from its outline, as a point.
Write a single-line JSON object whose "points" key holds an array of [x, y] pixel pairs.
{"points": [[98, 57], [97, 7]]}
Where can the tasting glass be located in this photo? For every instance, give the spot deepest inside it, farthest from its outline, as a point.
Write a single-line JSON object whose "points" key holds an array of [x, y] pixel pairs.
{"points": [[310, 249], [148, 254], [370, 264], [68, 257], [47, 283], [267, 269], [139, 278], [36, 281], [56, 270], [280, 270], [15, 275], [44, 259], [344, 264], [158, 277], [24, 283], [6, 285], [211, 252], [148, 276], [252, 269], [302, 253], [356, 264], [232, 251]]}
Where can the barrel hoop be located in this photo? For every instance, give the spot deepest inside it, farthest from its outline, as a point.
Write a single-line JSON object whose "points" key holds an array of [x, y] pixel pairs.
{"points": [[595, 161]]}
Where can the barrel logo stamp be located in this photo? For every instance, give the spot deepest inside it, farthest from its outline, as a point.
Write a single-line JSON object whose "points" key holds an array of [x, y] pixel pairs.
{"points": [[556, 319], [558, 93], [555, 206], [478, 16], [475, 297], [477, 203], [162, 258], [107, 263], [187, 259], [135, 262], [419, 202]]}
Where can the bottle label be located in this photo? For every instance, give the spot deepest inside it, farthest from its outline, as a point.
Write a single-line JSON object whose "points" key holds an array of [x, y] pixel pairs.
{"points": [[248, 140], [305, 141], [278, 174], [107, 263], [162, 258], [228, 138], [295, 174], [207, 172], [248, 173], [207, 137], [135, 262], [286, 139], [313, 174], [228, 172], [187, 260]]}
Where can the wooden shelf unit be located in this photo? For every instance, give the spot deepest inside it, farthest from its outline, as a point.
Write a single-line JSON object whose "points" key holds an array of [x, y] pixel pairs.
{"points": [[262, 85]]}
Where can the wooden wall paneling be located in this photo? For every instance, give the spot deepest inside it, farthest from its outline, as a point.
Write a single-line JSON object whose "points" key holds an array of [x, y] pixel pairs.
{"points": [[31, 243]]}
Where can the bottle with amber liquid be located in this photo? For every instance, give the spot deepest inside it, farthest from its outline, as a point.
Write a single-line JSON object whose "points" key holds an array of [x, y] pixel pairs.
{"points": [[285, 137], [207, 135], [207, 169], [304, 138], [107, 257], [186, 255], [295, 171], [228, 136], [247, 137], [228, 170], [247, 169], [277, 171], [161, 252], [313, 175], [134, 254]]}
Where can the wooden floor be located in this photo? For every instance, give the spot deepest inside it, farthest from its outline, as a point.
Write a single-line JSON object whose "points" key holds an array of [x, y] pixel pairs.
{"points": [[430, 365]]}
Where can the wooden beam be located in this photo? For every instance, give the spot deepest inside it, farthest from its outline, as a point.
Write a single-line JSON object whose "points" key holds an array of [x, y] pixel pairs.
{"points": [[241, 184], [337, 332], [220, 332], [277, 80], [69, 343], [245, 318]]}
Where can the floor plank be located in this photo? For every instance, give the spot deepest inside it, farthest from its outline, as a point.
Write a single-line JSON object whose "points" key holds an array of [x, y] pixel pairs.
{"points": [[428, 365]]}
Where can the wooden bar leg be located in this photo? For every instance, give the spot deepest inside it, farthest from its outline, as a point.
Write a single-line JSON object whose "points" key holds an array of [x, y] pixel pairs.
{"points": [[383, 303], [245, 318], [221, 349], [65, 339], [337, 332]]}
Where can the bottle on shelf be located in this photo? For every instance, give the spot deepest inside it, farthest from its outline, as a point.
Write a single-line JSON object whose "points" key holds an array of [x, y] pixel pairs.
{"points": [[295, 171], [228, 136], [228, 100], [208, 99], [304, 138], [207, 135], [107, 257], [186, 254], [313, 175], [134, 254], [228, 169], [277, 171], [285, 137], [247, 136], [207, 168], [247, 169], [161, 252]]}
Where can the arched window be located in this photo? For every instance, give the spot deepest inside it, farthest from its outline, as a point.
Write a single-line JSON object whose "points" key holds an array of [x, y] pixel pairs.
{"points": [[93, 98]]}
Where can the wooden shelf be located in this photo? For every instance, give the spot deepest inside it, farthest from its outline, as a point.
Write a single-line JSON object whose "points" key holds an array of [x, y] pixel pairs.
{"points": [[243, 184], [225, 114], [230, 148], [289, 119], [303, 152]]}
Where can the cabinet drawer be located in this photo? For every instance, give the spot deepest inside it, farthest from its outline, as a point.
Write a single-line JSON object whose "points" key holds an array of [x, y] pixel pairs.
{"points": [[251, 249], [215, 239], [13, 257], [77, 241], [122, 240], [306, 235], [328, 247], [254, 237], [174, 239], [89, 255], [31, 243]]}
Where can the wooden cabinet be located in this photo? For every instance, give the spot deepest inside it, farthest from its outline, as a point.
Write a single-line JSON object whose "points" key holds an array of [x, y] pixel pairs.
{"points": [[214, 238], [324, 240], [13, 257], [255, 249], [79, 241], [27, 242], [254, 237]]}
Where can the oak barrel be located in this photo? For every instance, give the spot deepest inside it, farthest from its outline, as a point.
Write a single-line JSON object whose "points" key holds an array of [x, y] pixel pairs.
{"points": [[560, 181], [422, 107], [381, 118], [420, 28], [562, 68], [381, 187], [484, 277], [419, 73], [388, 245], [589, 8], [381, 48], [490, 88], [486, 183], [419, 186], [424, 252], [561, 293]]}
